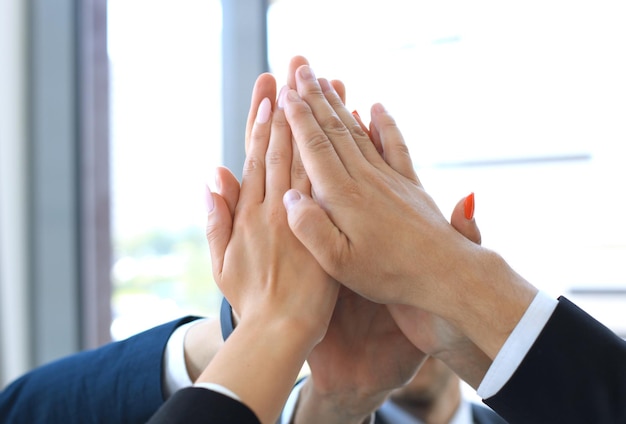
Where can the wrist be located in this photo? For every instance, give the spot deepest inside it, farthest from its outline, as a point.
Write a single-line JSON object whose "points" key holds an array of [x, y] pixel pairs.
{"points": [[490, 300], [272, 351], [348, 407], [201, 343]]}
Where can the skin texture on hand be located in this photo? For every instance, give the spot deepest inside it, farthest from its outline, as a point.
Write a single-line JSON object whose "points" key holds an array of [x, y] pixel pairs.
{"points": [[366, 205], [280, 293], [364, 357], [437, 337], [364, 354], [202, 342]]}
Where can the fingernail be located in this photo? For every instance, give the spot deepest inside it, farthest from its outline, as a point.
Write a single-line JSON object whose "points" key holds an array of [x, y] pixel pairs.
{"points": [[208, 199], [281, 97], [469, 207], [378, 108], [290, 198], [263, 113], [361, 124], [307, 73]]}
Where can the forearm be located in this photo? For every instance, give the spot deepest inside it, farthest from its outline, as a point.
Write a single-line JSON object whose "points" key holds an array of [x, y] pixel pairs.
{"points": [[314, 407], [468, 362], [260, 363], [488, 301], [202, 342]]}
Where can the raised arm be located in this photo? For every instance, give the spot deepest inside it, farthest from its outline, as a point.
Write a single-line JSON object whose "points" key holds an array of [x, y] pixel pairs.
{"points": [[283, 298]]}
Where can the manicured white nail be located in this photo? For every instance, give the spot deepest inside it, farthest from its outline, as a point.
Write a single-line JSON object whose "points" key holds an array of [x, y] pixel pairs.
{"points": [[264, 111]]}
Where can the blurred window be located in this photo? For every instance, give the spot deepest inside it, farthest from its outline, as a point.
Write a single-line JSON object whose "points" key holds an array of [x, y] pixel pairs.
{"points": [[521, 103], [165, 59]]}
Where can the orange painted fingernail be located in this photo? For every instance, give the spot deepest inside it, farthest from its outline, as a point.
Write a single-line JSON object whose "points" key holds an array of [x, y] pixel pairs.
{"points": [[361, 124], [469, 206]]}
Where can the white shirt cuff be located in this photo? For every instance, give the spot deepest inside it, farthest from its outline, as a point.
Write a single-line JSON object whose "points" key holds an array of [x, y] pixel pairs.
{"points": [[517, 344], [175, 372], [292, 402]]}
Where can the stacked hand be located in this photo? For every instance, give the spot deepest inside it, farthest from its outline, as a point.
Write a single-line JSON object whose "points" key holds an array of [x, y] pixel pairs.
{"points": [[364, 354]]}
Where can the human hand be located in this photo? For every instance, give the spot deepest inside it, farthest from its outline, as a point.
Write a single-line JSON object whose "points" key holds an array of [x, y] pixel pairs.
{"points": [[227, 186], [262, 247], [434, 335], [363, 356], [393, 209], [366, 205], [277, 288]]}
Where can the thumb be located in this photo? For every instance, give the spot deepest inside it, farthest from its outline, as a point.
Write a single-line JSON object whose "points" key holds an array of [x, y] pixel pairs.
{"points": [[218, 230], [313, 227], [463, 219]]}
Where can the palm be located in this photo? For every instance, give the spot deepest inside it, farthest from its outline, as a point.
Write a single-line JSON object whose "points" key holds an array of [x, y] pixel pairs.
{"points": [[363, 350]]}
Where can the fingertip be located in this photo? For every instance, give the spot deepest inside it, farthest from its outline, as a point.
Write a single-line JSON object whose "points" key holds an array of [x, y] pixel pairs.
{"points": [[209, 202], [378, 108]]}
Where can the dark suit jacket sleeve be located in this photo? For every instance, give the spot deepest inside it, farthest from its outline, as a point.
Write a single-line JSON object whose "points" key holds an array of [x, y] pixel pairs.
{"points": [[198, 405], [574, 373], [117, 383]]}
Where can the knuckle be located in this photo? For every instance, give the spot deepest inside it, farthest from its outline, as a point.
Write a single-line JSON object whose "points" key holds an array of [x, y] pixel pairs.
{"points": [[252, 164], [332, 124], [298, 172], [318, 142], [351, 188], [356, 130], [401, 149], [279, 122], [275, 157]]}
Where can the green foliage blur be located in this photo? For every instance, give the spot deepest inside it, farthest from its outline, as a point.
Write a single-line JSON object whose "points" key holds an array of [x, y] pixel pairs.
{"points": [[162, 266]]}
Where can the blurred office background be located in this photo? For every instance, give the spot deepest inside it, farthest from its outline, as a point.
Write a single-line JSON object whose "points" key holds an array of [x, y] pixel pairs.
{"points": [[113, 116]]}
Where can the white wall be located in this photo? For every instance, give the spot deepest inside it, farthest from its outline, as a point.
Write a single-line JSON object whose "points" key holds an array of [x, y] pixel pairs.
{"points": [[14, 346]]}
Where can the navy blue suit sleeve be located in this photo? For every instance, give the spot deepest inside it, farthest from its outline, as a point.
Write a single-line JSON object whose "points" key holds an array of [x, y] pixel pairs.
{"points": [[574, 373], [117, 383], [199, 405]]}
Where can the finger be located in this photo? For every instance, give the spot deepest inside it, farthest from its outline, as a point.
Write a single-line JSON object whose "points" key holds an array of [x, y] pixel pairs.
{"points": [[299, 178], [253, 176], [312, 226], [265, 86], [375, 141], [463, 219], [228, 187], [395, 150], [321, 162], [218, 230], [294, 64], [340, 88], [357, 131], [329, 132], [278, 158]]}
